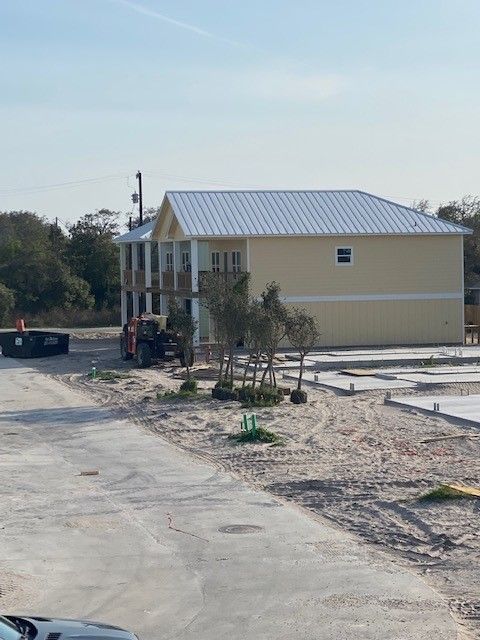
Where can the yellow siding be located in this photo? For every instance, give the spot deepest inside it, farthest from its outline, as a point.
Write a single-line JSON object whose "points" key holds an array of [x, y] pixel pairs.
{"points": [[382, 265], [386, 266], [387, 322]]}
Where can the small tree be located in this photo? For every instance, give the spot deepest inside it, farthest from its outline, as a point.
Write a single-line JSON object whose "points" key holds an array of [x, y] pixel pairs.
{"points": [[255, 337], [228, 306], [215, 293], [303, 335], [236, 318], [275, 327], [185, 325]]}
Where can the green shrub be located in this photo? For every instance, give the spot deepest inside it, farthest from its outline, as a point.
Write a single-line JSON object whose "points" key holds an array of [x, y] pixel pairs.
{"points": [[190, 385], [261, 435], [224, 384], [224, 393], [264, 396], [246, 393], [298, 396]]}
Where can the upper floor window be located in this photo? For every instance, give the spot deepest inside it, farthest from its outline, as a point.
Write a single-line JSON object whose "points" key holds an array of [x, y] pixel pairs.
{"points": [[186, 266], [216, 261], [343, 255], [236, 261], [169, 261]]}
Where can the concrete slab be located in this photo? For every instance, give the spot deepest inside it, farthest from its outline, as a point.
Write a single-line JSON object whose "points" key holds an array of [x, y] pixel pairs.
{"points": [[376, 358], [464, 407], [431, 371], [342, 382], [146, 543], [396, 356], [446, 378]]}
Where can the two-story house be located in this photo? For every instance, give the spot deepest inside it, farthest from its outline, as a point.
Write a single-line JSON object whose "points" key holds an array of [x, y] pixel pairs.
{"points": [[372, 272]]}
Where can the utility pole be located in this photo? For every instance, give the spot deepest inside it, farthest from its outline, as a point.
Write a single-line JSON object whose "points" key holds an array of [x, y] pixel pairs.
{"points": [[140, 197]]}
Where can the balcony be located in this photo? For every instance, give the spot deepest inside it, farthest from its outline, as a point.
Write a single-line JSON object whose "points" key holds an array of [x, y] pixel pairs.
{"points": [[167, 280], [139, 278], [127, 277], [184, 280]]}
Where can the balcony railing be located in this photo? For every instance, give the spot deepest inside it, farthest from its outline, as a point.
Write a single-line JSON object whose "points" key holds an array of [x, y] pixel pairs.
{"points": [[139, 278], [127, 277], [167, 279], [228, 276], [184, 280]]}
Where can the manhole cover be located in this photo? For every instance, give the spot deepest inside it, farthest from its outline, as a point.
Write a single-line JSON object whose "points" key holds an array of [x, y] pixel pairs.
{"points": [[240, 528]]}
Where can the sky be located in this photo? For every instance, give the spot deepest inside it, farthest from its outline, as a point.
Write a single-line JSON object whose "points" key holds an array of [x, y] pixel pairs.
{"points": [[378, 95]]}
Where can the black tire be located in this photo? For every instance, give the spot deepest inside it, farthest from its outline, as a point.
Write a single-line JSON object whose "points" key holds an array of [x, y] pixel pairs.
{"points": [[125, 355], [144, 355]]}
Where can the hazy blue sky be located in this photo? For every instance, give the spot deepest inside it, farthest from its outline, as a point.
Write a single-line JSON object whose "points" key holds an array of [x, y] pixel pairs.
{"points": [[382, 95]]}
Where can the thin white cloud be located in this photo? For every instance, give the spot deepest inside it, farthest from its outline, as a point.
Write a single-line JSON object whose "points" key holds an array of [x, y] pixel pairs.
{"points": [[290, 85], [274, 85], [139, 8]]}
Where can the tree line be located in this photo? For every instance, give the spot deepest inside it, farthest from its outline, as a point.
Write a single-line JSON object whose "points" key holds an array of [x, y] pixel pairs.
{"points": [[51, 274]]}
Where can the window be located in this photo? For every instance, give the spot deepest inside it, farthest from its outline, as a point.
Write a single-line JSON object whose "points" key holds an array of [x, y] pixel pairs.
{"points": [[186, 266], [236, 261], [216, 261], [169, 261], [343, 255]]}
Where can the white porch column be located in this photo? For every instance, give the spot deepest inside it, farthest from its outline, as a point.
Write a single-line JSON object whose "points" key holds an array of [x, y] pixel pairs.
{"points": [[194, 264], [176, 262], [123, 293], [160, 275], [148, 276], [195, 301], [135, 296]]}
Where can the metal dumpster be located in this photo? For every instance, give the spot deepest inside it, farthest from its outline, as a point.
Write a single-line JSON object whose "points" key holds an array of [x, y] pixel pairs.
{"points": [[33, 344]]}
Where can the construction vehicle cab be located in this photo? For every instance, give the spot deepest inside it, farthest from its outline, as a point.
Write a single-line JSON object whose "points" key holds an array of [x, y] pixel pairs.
{"points": [[148, 337]]}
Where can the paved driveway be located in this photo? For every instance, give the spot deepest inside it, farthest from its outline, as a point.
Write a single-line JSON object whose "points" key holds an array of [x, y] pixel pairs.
{"points": [[151, 542]]}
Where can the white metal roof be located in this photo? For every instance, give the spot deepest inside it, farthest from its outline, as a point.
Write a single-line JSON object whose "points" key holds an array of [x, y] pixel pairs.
{"points": [[302, 213], [140, 234]]}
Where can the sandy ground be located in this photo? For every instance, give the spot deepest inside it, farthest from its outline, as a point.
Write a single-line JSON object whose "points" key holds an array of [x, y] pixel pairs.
{"points": [[353, 460]]}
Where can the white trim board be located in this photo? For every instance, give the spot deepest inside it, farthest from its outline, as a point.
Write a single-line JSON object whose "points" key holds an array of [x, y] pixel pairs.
{"points": [[368, 297]]}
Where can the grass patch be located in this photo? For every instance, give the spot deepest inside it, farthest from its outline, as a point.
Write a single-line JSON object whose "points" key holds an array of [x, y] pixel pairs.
{"points": [[109, 375], [261, 435], [428, 363], [172, 396], [442, 493]]}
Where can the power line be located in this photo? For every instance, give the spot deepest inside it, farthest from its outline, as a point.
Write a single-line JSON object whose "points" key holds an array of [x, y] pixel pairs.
{"points": [[7, 191], [220, 182]]}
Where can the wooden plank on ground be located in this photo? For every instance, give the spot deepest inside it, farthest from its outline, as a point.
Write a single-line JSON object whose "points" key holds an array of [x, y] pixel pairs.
{"points": [[358, 372], [469, 491]]}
